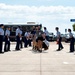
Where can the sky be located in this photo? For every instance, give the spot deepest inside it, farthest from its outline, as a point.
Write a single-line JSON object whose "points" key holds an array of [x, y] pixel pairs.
{"points": [[50, 13]]}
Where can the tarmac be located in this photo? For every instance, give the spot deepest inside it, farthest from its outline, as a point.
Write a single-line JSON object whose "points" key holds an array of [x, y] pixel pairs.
{"points": [[28, 62]]}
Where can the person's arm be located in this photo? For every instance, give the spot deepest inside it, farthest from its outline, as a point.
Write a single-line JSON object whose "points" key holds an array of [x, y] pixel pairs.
{"points": [[6, 34], [0, 32]]}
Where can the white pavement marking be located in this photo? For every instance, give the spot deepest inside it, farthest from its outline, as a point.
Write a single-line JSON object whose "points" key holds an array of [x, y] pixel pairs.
{"points": [[66, 63]]}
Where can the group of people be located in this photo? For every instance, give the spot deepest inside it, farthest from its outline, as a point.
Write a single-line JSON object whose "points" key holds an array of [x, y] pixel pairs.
{"points": [[40, 39], [36, 35], [27, 38], [5, 38], [59, 39]]}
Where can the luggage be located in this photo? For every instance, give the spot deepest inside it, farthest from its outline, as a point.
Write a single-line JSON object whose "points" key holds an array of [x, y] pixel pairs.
{"points": [[46, 42]]}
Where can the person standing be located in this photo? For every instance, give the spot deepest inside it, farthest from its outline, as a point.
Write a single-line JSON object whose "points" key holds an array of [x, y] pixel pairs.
{"points": [[1, 37], [26, 37], [18, 35], [33, 32], [71, 40], [59, 39], [47, 33], [21, 46], [7, 40], [29, 39], [39, 38]]}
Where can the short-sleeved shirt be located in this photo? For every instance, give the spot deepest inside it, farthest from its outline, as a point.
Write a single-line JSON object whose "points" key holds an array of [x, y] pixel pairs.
{"points": [[21, 32], [7, 32], [18, 31], [58, 34], [70, 35], [1, 31], [46, 32], [26, 34]]}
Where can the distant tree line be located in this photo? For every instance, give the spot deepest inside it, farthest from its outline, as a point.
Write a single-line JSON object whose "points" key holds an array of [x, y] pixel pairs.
{"points": [[73, 27]]}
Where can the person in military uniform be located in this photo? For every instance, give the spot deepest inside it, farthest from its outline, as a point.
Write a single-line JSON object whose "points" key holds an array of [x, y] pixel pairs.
{"points": [[46, 33], [71, 40], [59, 39], [1, 37], [26, 37], [18, 36], [21, 45], [7, 40]]}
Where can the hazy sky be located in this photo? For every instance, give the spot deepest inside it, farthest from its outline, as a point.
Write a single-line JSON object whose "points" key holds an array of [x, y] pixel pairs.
{"points": [[50, 13]]}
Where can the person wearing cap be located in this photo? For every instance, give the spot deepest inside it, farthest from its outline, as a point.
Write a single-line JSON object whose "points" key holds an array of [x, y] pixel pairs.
{"points": [[59, 39], [71, 40], [7, 40], [18, 35], [1, 37]]}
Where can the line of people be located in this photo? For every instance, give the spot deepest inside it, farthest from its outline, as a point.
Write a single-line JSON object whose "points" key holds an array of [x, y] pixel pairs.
{"points": [[38, 37], [5, 36], [28, 37], [19, 39]]}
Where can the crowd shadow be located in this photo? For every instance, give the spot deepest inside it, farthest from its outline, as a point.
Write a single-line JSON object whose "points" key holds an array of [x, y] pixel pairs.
{"points": [[37, 52]]}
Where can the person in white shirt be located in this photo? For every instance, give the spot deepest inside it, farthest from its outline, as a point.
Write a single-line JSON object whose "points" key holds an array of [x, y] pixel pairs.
{"points": [[7, 40], [71, 40], [18, 36], [47, 33], [1, 37], [21, 45], [59, 39]]}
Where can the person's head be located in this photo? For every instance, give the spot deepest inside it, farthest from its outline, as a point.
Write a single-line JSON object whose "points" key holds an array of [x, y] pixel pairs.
{"points": [[56, 28], [18, 27], [69, 30], [43, 35], [36, 28], [27, 31], [39, 27], [9, 28], [2, 25], [33, 27], [45, 28]]}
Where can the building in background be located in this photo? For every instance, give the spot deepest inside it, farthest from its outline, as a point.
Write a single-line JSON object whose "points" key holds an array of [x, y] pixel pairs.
{"points": [[24, 27]]}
